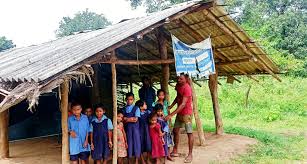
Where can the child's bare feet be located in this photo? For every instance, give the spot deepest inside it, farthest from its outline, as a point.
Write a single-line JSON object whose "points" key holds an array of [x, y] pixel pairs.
{"points": [[170, 158]]}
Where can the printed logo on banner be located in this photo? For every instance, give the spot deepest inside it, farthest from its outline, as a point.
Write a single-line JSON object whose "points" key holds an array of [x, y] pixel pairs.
{"points": [[196, 60]]}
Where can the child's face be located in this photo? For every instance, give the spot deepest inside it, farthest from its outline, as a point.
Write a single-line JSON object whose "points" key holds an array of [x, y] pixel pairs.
{"points": [[76, 110], [130, 100], [161, 96], [153, 120], [88, 111], [144, 107], [160, 113], [120, 117], [99, 112]]}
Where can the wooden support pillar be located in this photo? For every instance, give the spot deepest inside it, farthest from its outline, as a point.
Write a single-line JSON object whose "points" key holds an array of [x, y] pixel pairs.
{"points": [[4, 134], [162, 44], [64, 111], [114, 95], [216, 109], [199, 125], [95, 89]]}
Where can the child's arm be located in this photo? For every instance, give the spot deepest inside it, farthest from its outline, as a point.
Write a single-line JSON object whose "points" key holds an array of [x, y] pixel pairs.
{"points": [[125, 137], [85, 144], [110, 134], [92, 144], [131, 119]]}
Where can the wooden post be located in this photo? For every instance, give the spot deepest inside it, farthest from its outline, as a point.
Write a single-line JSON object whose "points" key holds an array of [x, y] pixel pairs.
{"points": [[114, 95], [162, 44], [199, 125], [216, 109], [64, 110], [4, 134]]}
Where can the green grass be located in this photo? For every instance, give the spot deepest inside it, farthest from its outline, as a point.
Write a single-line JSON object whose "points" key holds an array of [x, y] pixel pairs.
{"points": [[276, 116]]}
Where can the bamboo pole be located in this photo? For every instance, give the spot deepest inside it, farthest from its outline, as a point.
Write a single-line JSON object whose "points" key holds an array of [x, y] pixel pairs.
{"points": [[4, 137], [114, 95], [64, 111], [199, 126], [216, 109]]}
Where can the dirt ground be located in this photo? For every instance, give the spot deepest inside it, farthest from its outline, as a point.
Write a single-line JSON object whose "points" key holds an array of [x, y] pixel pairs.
{"points": [[218, 148]]}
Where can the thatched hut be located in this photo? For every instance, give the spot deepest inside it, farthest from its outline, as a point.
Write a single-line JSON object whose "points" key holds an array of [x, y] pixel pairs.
{"points": [[120, 53]]}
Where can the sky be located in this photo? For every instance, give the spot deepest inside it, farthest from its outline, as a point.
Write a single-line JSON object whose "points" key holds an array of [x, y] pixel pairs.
{"points": [[30, 22]]}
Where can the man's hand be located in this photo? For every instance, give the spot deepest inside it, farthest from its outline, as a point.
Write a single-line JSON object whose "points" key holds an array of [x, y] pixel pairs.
{"points": [[167, 117], [73, 134]]}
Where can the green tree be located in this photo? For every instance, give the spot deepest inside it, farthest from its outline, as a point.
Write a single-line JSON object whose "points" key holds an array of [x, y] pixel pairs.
{"points": [[85, 20], [5, 43]]}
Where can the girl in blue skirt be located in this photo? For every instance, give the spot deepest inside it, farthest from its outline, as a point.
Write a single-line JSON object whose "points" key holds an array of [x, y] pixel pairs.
{"points": [[144, 130], [101, 128], [131, 120]]}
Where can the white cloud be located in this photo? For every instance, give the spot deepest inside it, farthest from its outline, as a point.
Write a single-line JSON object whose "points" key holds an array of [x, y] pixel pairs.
{"points": [[34, 21]]}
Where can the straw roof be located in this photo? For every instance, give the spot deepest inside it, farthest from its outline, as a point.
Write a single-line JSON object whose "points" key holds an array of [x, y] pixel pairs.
{"points": [[49, 63]]}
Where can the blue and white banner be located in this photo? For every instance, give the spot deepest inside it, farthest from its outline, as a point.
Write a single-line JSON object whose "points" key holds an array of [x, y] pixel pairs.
{"points": [[196, 60]]}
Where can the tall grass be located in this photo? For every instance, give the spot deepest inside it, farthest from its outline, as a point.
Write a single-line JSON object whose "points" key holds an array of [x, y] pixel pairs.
{"points": [[276, 115]]}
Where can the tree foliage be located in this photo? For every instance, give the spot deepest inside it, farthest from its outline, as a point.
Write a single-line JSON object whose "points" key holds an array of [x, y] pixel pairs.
{"points": [[5, 43], [85, 20]]}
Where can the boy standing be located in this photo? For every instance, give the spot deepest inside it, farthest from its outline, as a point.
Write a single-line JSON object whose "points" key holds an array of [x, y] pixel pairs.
{"points": [[78, 129]]}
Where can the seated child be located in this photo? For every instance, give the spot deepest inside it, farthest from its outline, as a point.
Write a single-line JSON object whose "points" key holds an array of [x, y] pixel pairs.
{"points": [[165, 129], [144, 130], [78, 129], [101, 136], [157, 140], [121, 139]]}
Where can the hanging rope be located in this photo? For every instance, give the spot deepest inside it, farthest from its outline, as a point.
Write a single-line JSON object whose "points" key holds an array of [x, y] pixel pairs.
{"points": [[137, 56]]}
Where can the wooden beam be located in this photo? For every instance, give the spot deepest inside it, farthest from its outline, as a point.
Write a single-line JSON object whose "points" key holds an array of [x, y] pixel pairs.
{"points": [[245, 49], [64, 115], [139, 62], [4, 134], [200, 130], [235, 61], [216, 108], [114, 96]]}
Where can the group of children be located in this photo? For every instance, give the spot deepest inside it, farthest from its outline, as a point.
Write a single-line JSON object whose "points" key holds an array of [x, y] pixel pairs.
{"points": [[141, 133]]}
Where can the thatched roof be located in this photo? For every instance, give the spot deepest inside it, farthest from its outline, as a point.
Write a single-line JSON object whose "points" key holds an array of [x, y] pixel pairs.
{"points": [[234, 51]]}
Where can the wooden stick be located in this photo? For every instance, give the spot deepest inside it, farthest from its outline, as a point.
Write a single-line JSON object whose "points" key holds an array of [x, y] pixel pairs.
{"points": [[199, 125], [246, 96], [114, 96], [216, 108], [64, 111], [4, 134]]}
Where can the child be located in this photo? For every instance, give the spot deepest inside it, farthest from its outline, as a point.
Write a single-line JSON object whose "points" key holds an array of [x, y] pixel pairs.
{"points": [[101, 136], [78, 129], [89, 113], [121, 139], [156, 138], [131, 116], [162, 100], [144, 130], [165, 129]]}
